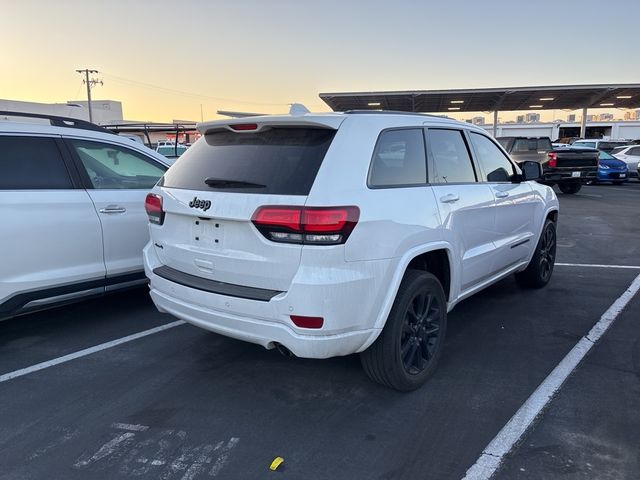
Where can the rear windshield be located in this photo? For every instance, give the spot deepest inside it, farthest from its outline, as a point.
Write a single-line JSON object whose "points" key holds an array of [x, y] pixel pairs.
{"points": [[282, 161], [617, 150], [608, 146], [532, 145]]}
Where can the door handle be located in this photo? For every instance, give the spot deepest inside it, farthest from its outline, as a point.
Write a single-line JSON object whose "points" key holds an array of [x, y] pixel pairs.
{"points": [[502, 194], [450, 198], [113, 209]]}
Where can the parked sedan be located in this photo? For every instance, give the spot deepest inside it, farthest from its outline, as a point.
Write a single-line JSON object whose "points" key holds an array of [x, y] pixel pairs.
{"points": [[610, 169], [631, 156]]}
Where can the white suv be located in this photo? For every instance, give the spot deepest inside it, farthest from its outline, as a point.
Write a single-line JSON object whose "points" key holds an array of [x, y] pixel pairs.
{"points": [[331, 234], [71, 209]]}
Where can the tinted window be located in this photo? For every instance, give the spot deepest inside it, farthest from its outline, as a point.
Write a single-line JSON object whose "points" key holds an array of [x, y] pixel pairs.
{"points": [[585, 144], [634, 151], [544, 144], [281, 161], [504, 142], [451, 161], [399, 159], [493, 163], [617, 150], [531, 145], [114, 167], [31, 163]]}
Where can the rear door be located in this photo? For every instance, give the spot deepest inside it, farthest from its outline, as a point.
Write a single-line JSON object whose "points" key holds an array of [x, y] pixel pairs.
{"points": [[212, 192], [117, 180], [466, 206], [516, 206], [50, 235]]}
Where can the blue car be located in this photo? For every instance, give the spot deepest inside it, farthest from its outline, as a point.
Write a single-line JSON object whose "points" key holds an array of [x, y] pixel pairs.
{"points": [[610, 169]]}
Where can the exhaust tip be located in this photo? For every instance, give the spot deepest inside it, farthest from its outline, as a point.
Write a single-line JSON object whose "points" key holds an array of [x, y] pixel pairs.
{"points": [[284, 351]]}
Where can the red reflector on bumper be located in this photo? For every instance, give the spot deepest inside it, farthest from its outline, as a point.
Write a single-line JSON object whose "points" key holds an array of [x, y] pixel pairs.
{"points": [[307, 322]]}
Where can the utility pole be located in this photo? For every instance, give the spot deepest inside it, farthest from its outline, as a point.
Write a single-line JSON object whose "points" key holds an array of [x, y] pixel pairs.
{"points": [[89, 82]]}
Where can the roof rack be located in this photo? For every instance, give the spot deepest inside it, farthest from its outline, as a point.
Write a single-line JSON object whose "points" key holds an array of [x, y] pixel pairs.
{"points": [[57, 121]]}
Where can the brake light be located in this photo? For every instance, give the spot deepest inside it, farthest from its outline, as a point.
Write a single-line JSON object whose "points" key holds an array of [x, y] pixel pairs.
{"points": [[153, 206], [553, 159], [306, 225], [244, 126]]}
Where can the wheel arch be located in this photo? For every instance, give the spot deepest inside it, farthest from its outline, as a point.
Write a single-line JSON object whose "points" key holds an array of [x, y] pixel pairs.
{"points": [[437, 251]]}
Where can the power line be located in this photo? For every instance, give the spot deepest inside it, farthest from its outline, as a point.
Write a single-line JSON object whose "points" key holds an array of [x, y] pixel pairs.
{"points": [[184, 93]]}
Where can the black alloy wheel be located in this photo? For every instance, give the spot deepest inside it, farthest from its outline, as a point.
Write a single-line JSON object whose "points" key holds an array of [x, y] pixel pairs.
{"points": [[406, 352], [420, 332], [540, 268]]}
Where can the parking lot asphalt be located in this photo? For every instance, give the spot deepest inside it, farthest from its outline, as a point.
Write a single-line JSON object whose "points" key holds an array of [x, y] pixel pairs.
{"points": [[188, 404]]}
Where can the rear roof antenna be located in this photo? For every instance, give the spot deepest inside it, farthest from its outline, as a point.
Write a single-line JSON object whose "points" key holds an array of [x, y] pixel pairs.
{"points": [[298, 109]]}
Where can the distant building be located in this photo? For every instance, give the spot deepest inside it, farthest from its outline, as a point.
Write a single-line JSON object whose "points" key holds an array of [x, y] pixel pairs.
{"points": [[520, 119], [477, 120], [631, 115], [571, 118], [532, 117], [605, 117], [592, 118], [104, 111]]}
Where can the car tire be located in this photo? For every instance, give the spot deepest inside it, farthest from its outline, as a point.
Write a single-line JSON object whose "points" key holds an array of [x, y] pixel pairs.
{"points": [[407, 351], [570, 187], [538, 272]]}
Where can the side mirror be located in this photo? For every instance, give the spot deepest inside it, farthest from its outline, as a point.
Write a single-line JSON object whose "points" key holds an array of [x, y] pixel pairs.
{"points": [[531, 170]]}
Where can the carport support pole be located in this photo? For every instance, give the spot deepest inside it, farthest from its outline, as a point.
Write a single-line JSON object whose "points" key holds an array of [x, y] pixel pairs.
{"points": [[583, 123], [495, 123]]}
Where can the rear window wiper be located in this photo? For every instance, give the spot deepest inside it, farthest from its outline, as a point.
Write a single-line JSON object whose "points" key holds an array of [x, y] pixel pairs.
{"points": [[222, 183]]}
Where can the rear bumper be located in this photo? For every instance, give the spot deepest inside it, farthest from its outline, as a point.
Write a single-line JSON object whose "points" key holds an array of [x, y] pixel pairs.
{"points": [[567, 175], [349, 306]]}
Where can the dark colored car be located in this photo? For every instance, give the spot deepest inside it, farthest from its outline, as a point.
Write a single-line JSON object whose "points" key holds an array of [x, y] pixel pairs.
{"points": [[567, 167]]}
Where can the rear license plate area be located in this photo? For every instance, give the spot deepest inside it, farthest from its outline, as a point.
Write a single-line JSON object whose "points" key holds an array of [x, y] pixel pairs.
{"points": [[207, 233]]}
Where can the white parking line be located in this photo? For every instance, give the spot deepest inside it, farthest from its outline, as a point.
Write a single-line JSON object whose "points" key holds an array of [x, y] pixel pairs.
{"points": [[493, 454], [596, 265], [87, 351]]}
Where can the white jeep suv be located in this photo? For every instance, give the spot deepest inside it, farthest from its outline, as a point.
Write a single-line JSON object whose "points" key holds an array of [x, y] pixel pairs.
{"points": [[331, 234], [71, 209]]}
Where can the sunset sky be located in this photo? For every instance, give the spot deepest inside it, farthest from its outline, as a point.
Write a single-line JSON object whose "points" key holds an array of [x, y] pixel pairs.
{"points": [[163, 59]]}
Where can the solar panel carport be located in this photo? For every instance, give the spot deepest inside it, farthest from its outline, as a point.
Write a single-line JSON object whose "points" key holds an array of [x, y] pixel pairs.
{"points": [[569, 97]]}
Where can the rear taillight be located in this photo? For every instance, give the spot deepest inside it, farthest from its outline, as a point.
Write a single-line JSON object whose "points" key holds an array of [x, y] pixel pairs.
{"points": [[306, 225], [553, 159], [153, 206]]}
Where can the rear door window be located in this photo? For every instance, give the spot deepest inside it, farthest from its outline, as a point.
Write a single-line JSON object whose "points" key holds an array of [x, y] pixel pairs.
{"points": [[32, 163], [399, 159], [282, 161], [450, 157]]}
